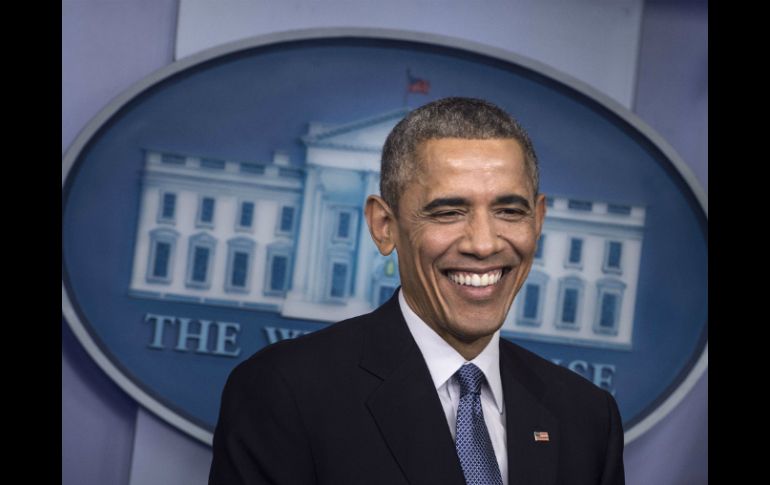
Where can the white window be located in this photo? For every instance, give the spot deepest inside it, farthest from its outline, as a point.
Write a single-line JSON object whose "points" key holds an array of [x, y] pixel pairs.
{"points": [[570, 302], [279, 266], [530, 299], [240, 253], [613, 255], [286, 221], [574, 253], [245, 218], [160, 266], [345, 225], [608, 306], [200, 259], [167, 207], [206, 206], [338, 279]]}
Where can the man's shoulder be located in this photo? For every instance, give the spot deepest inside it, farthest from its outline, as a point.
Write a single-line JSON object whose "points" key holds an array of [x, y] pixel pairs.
{"points": [[558, 382], [316, 352]]}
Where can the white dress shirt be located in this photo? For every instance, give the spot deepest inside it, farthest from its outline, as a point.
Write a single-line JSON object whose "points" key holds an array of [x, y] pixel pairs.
{"points": [[443, 361]]}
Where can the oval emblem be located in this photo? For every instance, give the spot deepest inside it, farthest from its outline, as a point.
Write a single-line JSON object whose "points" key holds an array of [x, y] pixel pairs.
{"points": [[216, 208]]}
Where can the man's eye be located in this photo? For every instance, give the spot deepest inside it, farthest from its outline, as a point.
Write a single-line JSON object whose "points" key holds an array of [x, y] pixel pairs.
{"points": [[447, 215], [511, 213]]}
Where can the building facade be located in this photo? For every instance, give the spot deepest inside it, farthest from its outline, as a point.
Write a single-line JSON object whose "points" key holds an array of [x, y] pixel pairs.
{"points": [[216, 232], [291, 238], [582, 285]]}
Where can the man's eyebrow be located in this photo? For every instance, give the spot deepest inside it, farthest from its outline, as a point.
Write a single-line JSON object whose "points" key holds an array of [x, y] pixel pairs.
{"points": [[512, 199], [445, 202]]}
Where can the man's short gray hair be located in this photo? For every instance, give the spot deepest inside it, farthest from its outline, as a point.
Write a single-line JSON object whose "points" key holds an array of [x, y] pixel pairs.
{"points": [[468, 118]]}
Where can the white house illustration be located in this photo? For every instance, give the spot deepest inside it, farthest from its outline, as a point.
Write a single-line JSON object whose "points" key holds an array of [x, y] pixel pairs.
{"points": [[290, 238], [582, 286]]}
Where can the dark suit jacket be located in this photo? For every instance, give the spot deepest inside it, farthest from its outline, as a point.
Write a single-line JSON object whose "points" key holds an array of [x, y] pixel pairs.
{"points": [[355, 404]]}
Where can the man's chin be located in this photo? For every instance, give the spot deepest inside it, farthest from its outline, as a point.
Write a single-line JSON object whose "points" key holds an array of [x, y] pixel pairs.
{"points": [[479, 329], [477, 318]]}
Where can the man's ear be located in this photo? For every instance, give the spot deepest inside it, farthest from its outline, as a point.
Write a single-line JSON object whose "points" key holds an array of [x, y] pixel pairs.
{"points": [[540, 209], [381, 220]]}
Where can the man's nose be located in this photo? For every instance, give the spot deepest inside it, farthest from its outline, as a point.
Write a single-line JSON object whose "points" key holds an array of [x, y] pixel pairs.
{"points": [[481, 237]]}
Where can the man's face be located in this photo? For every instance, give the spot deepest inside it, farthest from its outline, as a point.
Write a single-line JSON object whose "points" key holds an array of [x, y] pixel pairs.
{"points": [[466, 235]]}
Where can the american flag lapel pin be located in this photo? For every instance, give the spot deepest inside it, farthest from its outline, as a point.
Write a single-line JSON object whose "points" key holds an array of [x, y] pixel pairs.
{"points": [[541, 436]]}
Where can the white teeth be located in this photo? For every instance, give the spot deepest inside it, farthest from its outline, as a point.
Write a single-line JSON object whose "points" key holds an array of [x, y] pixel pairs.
{"points": [[476, 280]]}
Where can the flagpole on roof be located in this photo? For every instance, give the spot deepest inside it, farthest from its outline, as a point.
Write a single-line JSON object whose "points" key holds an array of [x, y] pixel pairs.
{"points": [[415, 85]]}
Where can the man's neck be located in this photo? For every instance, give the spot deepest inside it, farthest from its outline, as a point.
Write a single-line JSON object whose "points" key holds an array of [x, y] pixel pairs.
{"points": [[468, 349], [471, 350]]}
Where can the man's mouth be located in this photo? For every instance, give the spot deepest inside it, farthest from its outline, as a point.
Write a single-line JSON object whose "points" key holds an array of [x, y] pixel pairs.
{"points": [[478, 280]]}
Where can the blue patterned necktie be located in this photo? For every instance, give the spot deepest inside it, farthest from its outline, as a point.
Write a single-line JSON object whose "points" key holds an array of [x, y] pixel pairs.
{"points": [[474, 448]]}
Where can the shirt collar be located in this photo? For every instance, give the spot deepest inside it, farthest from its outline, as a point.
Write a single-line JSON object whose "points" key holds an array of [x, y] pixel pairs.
{"points": [[443, 360]]}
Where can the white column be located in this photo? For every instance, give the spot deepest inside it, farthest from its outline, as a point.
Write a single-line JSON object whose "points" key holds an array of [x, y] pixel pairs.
{"points": [[314, 269], [366, 246], [301, 270]]}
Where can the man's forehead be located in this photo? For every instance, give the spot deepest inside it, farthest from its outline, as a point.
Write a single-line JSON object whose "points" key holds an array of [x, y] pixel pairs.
{"points": [[460, 143], [444, 151], [448, 156]]}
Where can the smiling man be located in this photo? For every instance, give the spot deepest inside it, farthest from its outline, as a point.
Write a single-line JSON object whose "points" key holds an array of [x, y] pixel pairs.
{"points": [[465, 231], [423, 390]]}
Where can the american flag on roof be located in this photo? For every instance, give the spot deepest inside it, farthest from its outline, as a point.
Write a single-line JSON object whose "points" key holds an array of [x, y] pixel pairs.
{"points": [[416, 84]]}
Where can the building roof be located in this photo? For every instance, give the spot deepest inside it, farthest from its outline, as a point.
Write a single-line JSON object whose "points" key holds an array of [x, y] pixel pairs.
{"points": [[367, 134]]}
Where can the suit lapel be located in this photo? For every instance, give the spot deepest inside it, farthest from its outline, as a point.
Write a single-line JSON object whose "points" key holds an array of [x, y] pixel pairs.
{"points": [[530, 462], [405, 406]]}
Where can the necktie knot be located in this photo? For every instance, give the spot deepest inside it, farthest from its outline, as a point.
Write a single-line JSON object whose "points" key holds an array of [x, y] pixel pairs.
{"points": [[470, 378]]}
